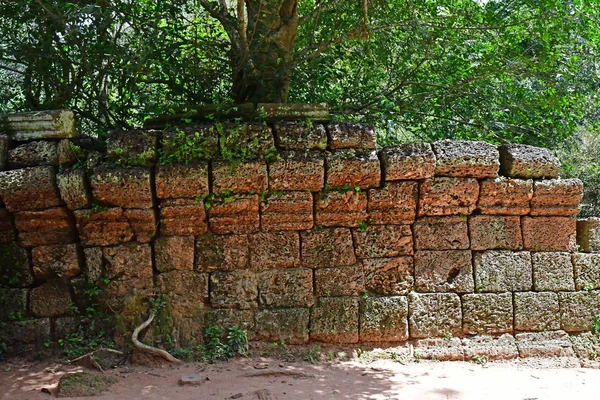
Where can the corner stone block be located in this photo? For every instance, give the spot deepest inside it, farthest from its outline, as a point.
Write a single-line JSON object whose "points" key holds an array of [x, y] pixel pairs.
{"points": [[544, 344], [132, 148], [536, 311], [274, 250], [587, 271], [51, 262], [127, 188], [448, 196], [174, 253], [327, 248], [552, 272], [297, 170], [7, 228], [389, 276], [42, 228], [335, 320], [444, 271], [248, 177], [556, 197], [239, 216], [289, 325], [349, 169], [494, 232], [29, 189], [503, 271], [395, 203], [352, 136], [505, 196], [128, 261], [441, 233], [384, 319], [341, 209], [434, 315], [74, 188], [175, 181], [51, 299], [221, 252], [143, 223], [383, 241], [577, 310], [588, 234], [33, 154], [15, 266], [549, 233], [102, 227], [182, 217], [340, 281], [470, 159], [529, 162], [298, 136], [487, 313], [186, 291], [288, 211], [286, 288], [412, 161], [236, 289], [14, 304]]}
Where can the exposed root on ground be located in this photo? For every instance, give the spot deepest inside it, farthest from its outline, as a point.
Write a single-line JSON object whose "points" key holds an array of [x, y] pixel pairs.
{"points": [[149, 349]]}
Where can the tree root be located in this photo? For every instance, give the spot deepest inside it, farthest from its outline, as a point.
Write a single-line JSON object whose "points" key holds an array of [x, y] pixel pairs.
{"points": [[87, 360], [149, 349]]}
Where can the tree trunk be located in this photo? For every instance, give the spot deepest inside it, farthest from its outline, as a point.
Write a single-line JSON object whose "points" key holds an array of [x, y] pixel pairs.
{"points": [[262, 72]]}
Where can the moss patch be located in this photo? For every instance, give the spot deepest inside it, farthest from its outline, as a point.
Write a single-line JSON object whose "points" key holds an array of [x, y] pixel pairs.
{"points": [[83, 384]]}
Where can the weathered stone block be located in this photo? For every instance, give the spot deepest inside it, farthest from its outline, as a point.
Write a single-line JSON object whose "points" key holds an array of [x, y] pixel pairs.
{"points": [[29, 189], [434, 315], [341, 209], [461, 158], [274, 250], [503, 271], [524, 161], [297, 170], [335, 320], [67, 156], [7, 228], [128, 261], [298, 136], [490, 232], [246, 141], [556, 197], [119, 295], [340, 281], [349, 169], [235, 289], [51, 299], [587, 347], [33, 125], [441, 233], [182, 217], [14, 305], [127, 188], [289, 325], [189, 144], [505, 196], [185, 291], [352, 136], [222, 252], [248, 177], [536, 311], [549, 233], [42, 228], [588, 234], [503, 347], [33, 154], [577, 310], [240, 215], [327, 248], [412, 161], [132, 148], [23, 333], [395, 203], [51, 262], [287, 211], [389, 276], [544, 344], [552, 272], [286, 288], [448, 196], [3, 151], [384, 319], [174, 253], [15, 267], [227, 318], [103, 227], [182, 180], [94, 263], [383, 241], [587, 271], [438, 349], [444, 271], [143, 223], [487, 313], [74, 189], [303, 113]]}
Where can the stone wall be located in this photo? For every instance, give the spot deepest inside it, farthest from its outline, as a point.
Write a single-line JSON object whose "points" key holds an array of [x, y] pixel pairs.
{"points": [[297, 231]]}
